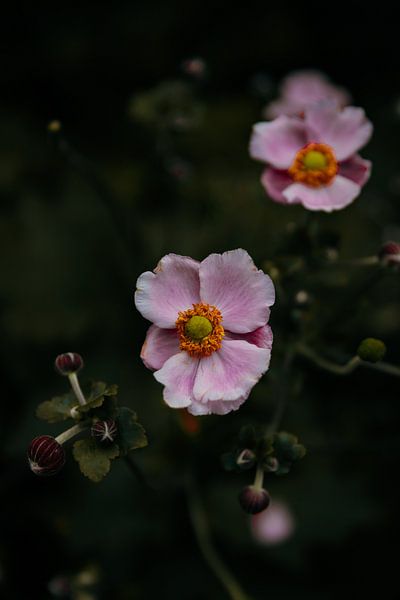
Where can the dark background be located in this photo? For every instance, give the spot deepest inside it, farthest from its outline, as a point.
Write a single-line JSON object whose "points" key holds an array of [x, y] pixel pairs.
{"points": [[83, 213]]}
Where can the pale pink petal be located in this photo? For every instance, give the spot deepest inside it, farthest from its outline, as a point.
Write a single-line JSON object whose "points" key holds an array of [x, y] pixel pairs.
{"points": [[159, 346], [173, 286], [178, 375], [261, 337], [356, 168], [229, 374], [335, 196], [275, 182], [273, 526], [302, 89], [215, 407], [278, 141], [231, 282], [345, 131]]}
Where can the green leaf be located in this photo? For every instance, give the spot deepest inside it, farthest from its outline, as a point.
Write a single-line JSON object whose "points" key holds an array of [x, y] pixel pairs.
{"points": [[99, 391], [57, 409], [131, 434], [94, 461], [228, 460]]}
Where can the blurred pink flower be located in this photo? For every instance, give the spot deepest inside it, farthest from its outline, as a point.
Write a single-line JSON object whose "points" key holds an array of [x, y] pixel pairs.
{"points": [[209, 343], [314, 161], [274, 525], [302, 89]]}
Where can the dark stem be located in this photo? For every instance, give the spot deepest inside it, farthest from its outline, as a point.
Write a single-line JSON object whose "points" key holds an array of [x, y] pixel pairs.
{"points": [[202, 533], [281, 392], [137, 472]]}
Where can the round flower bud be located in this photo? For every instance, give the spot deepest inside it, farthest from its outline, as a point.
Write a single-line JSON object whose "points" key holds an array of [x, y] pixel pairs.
{"points": [[246, 459], [46, 456], [371, 350], [104, 431], [253, 499], [390, 254], [68, 363]]}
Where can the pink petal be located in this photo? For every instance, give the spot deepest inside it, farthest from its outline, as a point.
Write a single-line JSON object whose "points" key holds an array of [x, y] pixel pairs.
{"points": [[261, 337], [229, 374], [302, 89], [173, 286], [178, 375], [335, 196], [159, 346], [233, 284], [278, 141], [356, 168], [216, 408], [275, 182], [346, 131]]}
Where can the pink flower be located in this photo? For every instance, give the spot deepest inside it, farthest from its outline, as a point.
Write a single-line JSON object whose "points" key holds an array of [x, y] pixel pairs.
{"points": [[302, 89], [273, 526], [314, 161], [209, 343]]}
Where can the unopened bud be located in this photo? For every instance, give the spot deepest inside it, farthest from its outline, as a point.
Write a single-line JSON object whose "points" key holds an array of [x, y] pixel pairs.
{"points": [[68, 363], [371, 350], [253, 499], [46, 456], [390, 254], [195, 67], [246, 459], [104, 432]]}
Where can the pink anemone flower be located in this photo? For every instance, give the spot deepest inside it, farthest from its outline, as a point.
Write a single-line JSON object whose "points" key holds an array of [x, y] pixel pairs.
{"points": [[302, 89], [314, 161], [273, 526], [209, 343]]}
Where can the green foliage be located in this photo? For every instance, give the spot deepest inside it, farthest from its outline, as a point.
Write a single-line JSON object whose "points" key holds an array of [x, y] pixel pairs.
{"points": [[286, 450], [371, 350], [131, 434], [94, 460], [57, 409]]}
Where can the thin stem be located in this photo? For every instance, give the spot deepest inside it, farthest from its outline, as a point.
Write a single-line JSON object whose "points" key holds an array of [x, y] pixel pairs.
{"points": [[259, 478], [137, 472], [71, 432], [281, 392], [73, 379], [348, 367], [365, 261], [201, 530]]}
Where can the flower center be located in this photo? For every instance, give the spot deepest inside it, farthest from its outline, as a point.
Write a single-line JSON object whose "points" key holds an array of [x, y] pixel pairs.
{"points": [[200, 330], [315, 165]]}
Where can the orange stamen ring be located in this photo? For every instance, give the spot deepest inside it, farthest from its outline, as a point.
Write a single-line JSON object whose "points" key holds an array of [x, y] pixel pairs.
{"points": [[208, 344], [322, 172]]}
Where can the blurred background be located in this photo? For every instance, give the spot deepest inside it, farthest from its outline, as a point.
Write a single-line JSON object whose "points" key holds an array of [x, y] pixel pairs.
{"points": [[152, 158]]}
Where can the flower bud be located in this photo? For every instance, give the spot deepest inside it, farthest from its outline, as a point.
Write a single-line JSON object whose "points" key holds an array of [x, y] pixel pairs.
{"points": [[371, 350], [68, 363], [46, 456], [390, 254], [246, 459], [104, 432], [253, 499]]}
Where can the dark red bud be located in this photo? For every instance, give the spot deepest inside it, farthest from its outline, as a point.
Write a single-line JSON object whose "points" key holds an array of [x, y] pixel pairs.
{"points": [[46, 456], [68, 363], [390, 254], [254, 500], [105, 431]]}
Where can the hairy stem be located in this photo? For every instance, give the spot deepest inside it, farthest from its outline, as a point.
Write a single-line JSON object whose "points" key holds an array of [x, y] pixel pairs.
{"points": [[202, 533], [348, 367]]}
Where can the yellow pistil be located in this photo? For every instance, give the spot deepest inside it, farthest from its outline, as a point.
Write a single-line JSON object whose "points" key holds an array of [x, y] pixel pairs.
{"points": [[315, 165], [200, 330]]}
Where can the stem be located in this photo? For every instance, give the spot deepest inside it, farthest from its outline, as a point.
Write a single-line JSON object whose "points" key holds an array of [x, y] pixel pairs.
{"points": [[259, 478], [73, 379], [281, 392], [347, 368], [71, 432], [137, 472], [201, 530]]}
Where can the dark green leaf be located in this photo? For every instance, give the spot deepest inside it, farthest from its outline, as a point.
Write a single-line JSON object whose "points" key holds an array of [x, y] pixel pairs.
{"points": [[94, 461], [131, 434], [57, 409]]}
